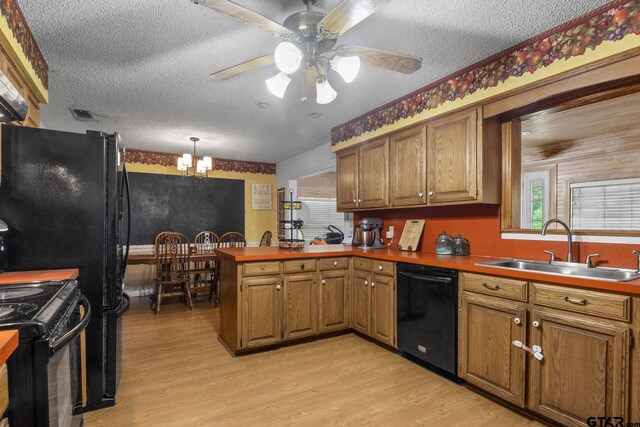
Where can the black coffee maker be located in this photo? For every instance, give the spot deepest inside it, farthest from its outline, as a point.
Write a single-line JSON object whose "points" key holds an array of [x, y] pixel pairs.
{"points": [[4, 235]]}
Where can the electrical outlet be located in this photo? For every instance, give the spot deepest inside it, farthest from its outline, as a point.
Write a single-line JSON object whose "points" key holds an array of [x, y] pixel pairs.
{"points": [[390, 232]]}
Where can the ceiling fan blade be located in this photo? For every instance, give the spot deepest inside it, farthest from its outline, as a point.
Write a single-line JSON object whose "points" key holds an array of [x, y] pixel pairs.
{"points": [[406, 64], [348, 13], [245, 15], [251, 65]]}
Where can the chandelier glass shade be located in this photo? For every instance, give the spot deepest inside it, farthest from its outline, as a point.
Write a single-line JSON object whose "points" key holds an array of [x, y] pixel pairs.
{"points": [[202, 166], [277, 84], [347, 66]]}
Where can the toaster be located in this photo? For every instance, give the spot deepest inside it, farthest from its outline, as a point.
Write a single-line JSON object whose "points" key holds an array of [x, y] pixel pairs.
{"points": [[4, 257]]}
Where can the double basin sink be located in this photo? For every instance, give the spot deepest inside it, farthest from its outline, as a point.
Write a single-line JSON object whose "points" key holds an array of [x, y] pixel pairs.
{"points": [[565, 269]]}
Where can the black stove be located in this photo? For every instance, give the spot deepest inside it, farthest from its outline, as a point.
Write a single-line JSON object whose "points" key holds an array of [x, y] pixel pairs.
{"points": [[34, 308], [44, 372]]}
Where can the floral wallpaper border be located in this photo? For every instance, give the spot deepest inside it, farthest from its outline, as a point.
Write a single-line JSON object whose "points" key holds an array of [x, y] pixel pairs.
{"points": [[611, 22], [18, 25], [170, 159]]}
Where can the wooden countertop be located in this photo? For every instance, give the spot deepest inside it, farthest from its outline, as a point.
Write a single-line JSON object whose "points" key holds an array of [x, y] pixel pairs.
{"points": [[462, 263], [8, 344], [10, 277]]}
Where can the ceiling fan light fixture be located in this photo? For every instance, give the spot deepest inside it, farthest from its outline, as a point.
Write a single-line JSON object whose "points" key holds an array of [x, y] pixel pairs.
{"points": [[347, 66], [325, 93], [278, 84], [287, 57]]}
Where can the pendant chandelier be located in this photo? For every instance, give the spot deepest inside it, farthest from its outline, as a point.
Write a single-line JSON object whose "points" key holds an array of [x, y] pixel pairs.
{"points": [[186, 163]]}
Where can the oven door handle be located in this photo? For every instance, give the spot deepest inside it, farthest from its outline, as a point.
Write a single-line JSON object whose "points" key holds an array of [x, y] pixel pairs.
{"points": [[76, 331]]}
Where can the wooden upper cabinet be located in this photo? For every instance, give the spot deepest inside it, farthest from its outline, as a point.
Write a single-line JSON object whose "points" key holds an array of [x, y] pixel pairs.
{"points": [[347, 179], [585, 368], [373, 177], [451, 158], [408, 167], [487, 357]]}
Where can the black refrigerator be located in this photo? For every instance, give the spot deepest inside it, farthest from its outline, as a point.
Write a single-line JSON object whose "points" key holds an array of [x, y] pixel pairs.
{"points": [[62, 196]]}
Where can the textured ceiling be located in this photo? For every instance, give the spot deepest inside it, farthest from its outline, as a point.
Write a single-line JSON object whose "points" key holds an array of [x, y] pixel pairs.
{"points": [[142, 66]]}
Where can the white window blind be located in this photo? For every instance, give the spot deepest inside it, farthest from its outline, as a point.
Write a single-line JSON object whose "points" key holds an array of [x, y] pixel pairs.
{"points": [[322, 212], [606, 205]]}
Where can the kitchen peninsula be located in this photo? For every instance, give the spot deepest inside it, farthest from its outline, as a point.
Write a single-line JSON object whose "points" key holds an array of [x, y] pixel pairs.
{"points": [[272, 296]]}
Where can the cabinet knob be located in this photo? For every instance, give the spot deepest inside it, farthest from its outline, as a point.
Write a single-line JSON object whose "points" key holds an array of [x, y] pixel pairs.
{"points": [[359, 200], [335, 263], [536, 324], [373, 284], [420, 194], [380, 267], [366, 282], [354, 200], [278, 287], [517, 321], [302, 266], [323, 281]]}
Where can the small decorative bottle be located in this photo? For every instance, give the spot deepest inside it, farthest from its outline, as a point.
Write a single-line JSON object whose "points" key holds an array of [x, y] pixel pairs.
{"points": [[460, 246], [444, 244]]}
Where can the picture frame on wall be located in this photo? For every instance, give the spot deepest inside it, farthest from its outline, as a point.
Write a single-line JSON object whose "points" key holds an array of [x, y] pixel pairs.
{"points": [[261, 197]]}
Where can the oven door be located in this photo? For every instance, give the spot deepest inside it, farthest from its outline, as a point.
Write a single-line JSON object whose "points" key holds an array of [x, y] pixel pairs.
{"points": [[63, 369]]}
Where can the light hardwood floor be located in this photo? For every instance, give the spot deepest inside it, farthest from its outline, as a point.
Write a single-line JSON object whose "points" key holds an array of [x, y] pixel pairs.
{"points": [[176, 373]]}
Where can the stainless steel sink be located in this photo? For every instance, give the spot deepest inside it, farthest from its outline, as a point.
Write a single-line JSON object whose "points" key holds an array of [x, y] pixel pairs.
{"points": [[565, 269]]}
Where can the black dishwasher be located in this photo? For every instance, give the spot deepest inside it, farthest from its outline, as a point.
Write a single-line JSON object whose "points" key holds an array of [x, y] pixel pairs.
{"points": [[427, 305]]}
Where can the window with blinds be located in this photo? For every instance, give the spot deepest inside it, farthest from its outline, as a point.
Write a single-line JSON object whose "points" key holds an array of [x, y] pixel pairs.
{"points": [[606, 205], [322, 212]]}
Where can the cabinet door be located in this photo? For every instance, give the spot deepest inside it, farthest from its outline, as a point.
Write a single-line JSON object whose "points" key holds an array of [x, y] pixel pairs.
{"points": [[383, 308], [361, 310], [261, 307], [347, 179], [373, 177], [300, 305], [451, 158], [334, 307], [408, 167], [584, 372], [487, 328]]}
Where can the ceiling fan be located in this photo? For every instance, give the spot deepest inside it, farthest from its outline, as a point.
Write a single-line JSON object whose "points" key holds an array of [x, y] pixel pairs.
{"points": [[309, 39]]}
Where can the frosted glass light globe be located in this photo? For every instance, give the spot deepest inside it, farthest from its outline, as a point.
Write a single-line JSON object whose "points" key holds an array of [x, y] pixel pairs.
{"points": [[347, 66], [287, 57]]}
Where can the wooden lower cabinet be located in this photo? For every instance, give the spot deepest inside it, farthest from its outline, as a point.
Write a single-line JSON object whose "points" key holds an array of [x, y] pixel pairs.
{"points": [[300, 306], [334, 300], [383, 309], [374, 311], [487, 357], [361, 309], [261, 311], [584, 372]]}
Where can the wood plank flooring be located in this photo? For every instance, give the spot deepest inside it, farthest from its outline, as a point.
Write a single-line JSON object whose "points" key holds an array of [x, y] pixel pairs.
{"points": [[176, 373]]}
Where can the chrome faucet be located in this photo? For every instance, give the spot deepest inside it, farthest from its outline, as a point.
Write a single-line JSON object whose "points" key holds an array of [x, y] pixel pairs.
{"points": [[569, 237]]}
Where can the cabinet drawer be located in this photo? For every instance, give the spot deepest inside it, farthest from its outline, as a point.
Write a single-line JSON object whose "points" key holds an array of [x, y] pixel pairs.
{"points": [[333, 264], [299, 265], [362, 264], [4, 389], [260, 268], [383, 267], [611, 306], [492, 285]]}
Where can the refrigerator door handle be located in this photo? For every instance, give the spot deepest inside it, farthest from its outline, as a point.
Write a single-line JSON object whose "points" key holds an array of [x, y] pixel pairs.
{"points": [[128, 190]]}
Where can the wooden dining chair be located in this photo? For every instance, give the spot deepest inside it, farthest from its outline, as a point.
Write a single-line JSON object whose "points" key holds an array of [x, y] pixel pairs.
{"points": [[232, 239], [266, 239], [172, 269], [205, 277]]}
